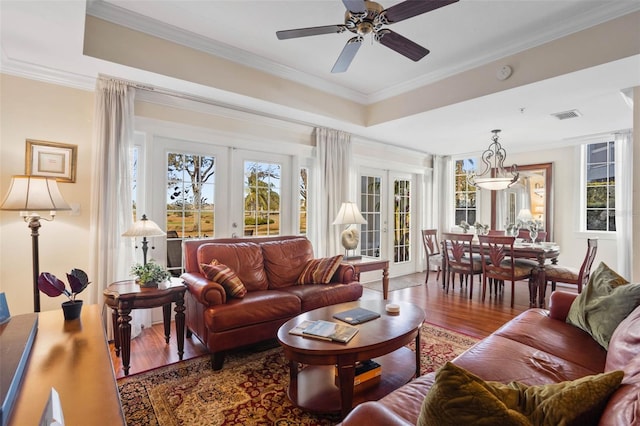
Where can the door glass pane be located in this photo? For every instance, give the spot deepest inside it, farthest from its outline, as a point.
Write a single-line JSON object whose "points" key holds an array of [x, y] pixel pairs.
{"points": [[302, 200], [401, 221], [262, 190], [370, 234], [190, 203]]}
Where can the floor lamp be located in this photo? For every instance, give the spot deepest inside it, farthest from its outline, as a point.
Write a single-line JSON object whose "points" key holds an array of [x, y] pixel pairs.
{"points": [[144, 228], [29, 194]]}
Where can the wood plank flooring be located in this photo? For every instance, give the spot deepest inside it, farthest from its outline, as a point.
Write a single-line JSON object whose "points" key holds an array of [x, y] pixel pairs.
{"points": [[453, 310]]}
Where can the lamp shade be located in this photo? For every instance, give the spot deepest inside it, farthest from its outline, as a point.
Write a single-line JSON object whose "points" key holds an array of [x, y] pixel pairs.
{"points": [[349, 214], [33, 193], [525, 215], [144, 228]]}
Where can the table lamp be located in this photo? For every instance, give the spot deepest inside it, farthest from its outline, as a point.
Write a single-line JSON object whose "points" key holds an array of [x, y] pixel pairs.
{"points": [[144, 228], [349, 215], [28, 194]]}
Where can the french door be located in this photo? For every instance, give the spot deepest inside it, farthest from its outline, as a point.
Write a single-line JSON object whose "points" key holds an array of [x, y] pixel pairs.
{"points": [[387, 202]]}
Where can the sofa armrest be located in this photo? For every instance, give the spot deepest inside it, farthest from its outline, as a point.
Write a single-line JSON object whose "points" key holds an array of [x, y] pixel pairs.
{"points": [[344, 274], [373, 413], [560, 303], [207, 292]]}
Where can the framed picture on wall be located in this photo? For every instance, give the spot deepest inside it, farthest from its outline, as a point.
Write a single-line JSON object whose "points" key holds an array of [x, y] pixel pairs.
{"points": [[51, 159]]}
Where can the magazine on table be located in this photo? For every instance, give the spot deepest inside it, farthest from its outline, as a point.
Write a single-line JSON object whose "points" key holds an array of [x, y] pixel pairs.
{"points": [[325, 330]]}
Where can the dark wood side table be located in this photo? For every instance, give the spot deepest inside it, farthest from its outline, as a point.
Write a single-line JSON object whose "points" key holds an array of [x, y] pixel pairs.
{"points": [[372, 264], [123, 296]]}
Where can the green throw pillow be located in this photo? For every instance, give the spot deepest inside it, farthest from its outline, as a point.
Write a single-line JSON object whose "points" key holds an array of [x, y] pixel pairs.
{"points": [[459, 397], [603, 304]]}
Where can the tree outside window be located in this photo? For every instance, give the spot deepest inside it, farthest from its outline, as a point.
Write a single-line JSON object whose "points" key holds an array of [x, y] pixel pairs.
{"points": [[262, 190]]}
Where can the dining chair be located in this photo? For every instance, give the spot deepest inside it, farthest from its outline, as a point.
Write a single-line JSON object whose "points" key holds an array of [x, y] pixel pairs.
{"points": [[432, 250], [524, 234], [460, 259], [496, 232], [498, 262], [570, 275]]}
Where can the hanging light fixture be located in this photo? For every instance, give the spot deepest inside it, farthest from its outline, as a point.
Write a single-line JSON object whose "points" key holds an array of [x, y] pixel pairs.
{"points": [[494, 176]]}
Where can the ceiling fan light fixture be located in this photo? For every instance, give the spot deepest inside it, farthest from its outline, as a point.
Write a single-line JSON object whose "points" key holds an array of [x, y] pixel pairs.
{"points": [[494, 176]]}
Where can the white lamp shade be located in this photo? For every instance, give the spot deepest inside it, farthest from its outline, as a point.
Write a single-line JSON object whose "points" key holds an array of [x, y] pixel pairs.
{"points": [[525, 215], [349, 214], [144, 228], [27, 193]]}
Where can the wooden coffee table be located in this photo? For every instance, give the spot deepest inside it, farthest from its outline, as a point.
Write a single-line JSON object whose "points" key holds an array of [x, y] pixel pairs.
{"points": [[313, 387]]}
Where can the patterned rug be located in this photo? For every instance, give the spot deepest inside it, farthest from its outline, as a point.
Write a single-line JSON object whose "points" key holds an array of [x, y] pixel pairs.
{"points": [[249, 390]]}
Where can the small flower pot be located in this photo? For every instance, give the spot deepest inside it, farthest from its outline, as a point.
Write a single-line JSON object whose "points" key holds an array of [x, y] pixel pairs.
{"points": [[72, 310]]}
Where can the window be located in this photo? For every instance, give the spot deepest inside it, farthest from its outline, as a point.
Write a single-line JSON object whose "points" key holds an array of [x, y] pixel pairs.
{"points": [[464, 193], [190, 203], [135, 154], [370, 208], [262, 189], [401, 220], [600, 187], [302, 198]]}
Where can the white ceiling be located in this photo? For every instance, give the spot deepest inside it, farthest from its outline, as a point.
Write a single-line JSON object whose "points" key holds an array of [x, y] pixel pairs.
{"points": [[43, 40]]}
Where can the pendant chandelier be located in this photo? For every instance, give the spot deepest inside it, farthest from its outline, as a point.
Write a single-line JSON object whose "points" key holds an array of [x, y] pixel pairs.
{"points": [[494, 176]]}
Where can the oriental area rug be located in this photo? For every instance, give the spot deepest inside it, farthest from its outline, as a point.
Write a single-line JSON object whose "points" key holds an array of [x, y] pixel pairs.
{"points": [[249, 390]]}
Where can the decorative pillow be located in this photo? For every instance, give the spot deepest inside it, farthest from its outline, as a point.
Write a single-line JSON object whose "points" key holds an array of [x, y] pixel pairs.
{"points": [[319, 271], [459, 397], [603, 304], [226, 277]]}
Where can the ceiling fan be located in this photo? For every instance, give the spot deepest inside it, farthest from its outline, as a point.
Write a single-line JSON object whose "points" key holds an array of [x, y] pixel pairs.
{"points": [[365, 17]]}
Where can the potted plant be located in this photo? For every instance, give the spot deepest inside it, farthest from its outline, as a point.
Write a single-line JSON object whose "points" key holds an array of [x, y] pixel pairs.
{"points": [[50, 285], [149, 274]]}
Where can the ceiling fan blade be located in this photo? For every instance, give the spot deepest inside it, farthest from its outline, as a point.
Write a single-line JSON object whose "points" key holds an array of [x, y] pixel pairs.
{"points": [[400, 44], [310, 31], [346, 56], [355, 5], [410, 8]]}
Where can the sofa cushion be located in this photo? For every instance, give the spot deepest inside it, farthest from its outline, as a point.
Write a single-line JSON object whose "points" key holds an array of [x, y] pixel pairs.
{"points": [[460, 397], [244, 258], [319, 271], [226, 277], [603, 304], [314, 296], [625, 342], [284, 260]]}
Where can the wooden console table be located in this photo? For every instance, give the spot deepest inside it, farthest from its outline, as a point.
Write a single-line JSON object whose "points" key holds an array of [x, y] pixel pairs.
{"points": [[72, 357], [372, 264], [123, 296]]}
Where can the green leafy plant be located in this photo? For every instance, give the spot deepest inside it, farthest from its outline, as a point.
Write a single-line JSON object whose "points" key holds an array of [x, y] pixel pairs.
{"points": [[465, 226], [50, 285], [149, 274]]}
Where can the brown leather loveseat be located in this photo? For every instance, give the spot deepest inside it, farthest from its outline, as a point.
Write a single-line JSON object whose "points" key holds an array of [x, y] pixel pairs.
{"points": [[535, 348], [269, 268]]}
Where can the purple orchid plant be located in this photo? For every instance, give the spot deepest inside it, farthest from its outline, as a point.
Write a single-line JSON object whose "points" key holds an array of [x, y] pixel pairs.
{"points": [[50, 285]]}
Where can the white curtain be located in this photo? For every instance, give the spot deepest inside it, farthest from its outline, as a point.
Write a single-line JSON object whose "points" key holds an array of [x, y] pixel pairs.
{"points": [[624, 201], [112, 254], [443, 193], [334, 167]]}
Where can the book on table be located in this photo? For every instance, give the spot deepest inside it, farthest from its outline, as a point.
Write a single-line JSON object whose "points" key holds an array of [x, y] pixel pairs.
{"points": [[325, 330], [356, 316], [367, 372]]}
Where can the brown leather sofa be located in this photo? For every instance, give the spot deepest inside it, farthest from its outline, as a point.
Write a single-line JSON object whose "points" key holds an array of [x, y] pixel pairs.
{"points": [[536, 347], [268, 268]]}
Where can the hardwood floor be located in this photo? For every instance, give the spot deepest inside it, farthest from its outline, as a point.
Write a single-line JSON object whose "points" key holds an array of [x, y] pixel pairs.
{"points": [[453, 310]]}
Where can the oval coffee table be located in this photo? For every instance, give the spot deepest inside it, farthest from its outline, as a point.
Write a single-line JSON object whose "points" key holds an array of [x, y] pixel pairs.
{"points": [[313, 387]]}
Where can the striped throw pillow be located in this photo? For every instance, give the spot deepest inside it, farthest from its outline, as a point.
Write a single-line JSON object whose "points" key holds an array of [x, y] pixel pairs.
{"points": [[319, 271], [226, 277]]}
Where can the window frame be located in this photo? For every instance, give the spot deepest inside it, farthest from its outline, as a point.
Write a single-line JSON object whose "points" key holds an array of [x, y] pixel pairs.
{"points": [[584, 184]]}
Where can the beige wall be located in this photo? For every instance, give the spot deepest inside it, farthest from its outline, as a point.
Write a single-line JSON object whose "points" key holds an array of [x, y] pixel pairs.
{"points": [[33, 110]]}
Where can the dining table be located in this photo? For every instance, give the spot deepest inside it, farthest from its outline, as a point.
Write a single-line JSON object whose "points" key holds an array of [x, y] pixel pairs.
{"points": [[541, 252]]}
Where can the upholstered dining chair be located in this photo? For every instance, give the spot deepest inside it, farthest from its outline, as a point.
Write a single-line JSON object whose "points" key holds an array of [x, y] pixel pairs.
{"points": [[498, 262], [460, 259], [524, 234], [432, 250], [569, 275]]}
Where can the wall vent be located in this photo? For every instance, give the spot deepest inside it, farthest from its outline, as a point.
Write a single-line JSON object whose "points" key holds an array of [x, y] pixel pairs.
{"points": [[567, 114]]}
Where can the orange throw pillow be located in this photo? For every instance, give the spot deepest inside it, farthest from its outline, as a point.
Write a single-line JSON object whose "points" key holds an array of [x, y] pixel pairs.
{"points": [[320, 271], [226, 277]]}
